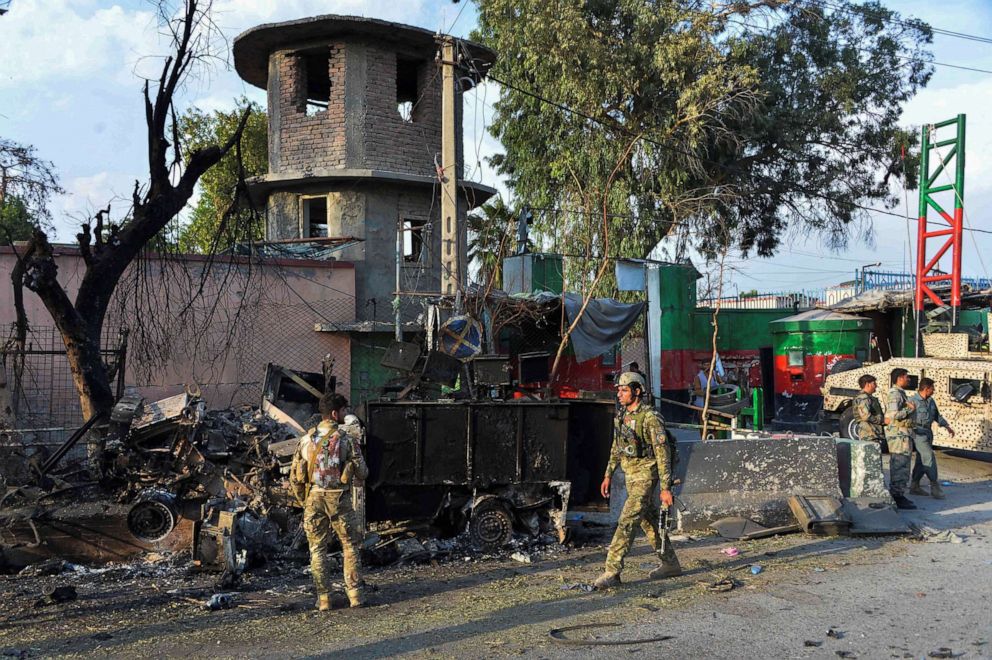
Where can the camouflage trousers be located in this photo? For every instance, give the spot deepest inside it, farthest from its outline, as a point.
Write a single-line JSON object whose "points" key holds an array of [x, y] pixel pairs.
{"points": [[926, 460], [641, 508], [324, 511], [900, 457]]}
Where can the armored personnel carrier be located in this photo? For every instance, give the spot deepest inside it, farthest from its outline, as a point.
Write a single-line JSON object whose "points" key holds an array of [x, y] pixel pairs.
{"points": [[962, 379]]}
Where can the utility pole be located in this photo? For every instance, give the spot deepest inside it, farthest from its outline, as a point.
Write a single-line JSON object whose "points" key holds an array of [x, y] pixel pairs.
{"points": [[451, 258], [397, 310]]}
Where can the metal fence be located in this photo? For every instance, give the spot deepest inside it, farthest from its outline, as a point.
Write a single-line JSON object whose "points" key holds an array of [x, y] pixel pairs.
{"points": [[40, 403], [769, 300]]}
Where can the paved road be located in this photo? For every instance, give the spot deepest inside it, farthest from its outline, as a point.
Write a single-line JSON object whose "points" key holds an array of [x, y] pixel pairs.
{"points": [[884, 598]]}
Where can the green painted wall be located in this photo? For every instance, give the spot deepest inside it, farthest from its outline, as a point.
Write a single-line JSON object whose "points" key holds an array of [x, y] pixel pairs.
{"points": [[685, 327], [679, 329]]}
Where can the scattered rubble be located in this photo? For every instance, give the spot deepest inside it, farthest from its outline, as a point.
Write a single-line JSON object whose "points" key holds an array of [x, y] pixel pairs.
{"points": [[57, 596]]}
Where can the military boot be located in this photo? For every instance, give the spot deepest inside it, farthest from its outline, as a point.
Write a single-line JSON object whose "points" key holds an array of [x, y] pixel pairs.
{"points": [[606, 581], [936, 491], [323, 602], [903, 502], [666, 569], [356, 597], [916, 489]]}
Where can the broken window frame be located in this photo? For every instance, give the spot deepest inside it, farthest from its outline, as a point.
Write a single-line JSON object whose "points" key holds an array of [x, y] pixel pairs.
{"points": [[414, 230], [313, 104], [305, 213], [407, 87]]}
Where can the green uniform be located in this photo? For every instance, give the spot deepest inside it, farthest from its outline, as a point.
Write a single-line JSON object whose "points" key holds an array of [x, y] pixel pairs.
{"points": [[869, 416], [641, 450], [326, 463], [898, 435]]}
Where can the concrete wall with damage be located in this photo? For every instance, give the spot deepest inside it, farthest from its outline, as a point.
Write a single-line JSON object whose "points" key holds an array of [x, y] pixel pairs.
{"points": [[249, 314]]}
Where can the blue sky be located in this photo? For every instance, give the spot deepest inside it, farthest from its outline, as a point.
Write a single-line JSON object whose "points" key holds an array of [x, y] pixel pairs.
{"points": [[69, 85]]}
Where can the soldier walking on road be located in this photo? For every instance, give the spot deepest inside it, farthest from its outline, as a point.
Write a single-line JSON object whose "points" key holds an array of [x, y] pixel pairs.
{"points": [[868, 411], [641, 448], [326, 464], [926, 460], [899, 422]]}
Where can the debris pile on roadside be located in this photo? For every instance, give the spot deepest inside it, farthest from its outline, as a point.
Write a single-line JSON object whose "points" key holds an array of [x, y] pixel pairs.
{"points": [[179, 478]]}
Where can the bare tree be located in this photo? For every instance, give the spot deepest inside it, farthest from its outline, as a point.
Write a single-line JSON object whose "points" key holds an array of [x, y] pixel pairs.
{"points": [[109, 248]]}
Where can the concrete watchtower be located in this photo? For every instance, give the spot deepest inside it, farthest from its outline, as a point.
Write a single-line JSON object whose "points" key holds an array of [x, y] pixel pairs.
{"points": [[355, 132]]}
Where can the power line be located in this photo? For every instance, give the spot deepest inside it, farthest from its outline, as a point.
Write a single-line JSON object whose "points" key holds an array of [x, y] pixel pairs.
{"points": [[627, 131], [907, 58], [904, 23]]}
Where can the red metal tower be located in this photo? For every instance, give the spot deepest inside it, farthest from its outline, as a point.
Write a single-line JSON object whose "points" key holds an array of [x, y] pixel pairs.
{"points": [[933, 244]]}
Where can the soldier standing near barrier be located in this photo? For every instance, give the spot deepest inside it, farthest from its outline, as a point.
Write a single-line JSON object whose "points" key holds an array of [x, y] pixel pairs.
{"points": [[899, 422], [325, 465], [868, 411], [641, 448], [926, 460]]}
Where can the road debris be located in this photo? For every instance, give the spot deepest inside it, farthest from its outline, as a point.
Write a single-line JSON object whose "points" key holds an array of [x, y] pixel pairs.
{"points": [[220, 602], [57, 596], [722, 585], [730, 552], [945, 652], [931, 535], [557, 634], [810, 643], [833, 633]]}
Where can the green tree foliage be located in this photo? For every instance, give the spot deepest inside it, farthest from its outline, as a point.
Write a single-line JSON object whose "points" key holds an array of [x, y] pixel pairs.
{"points": [[26, 184], [490, 238], [631, 68], [210, 221], [753, 117], [15, 220]]}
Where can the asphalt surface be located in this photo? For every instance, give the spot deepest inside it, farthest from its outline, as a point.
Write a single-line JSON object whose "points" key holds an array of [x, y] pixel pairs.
{"points": [[881, 597]]}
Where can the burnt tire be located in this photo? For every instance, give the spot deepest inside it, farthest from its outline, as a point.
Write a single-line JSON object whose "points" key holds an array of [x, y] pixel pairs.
{"points": [[847, 364], [848, 426], [491, 526]]}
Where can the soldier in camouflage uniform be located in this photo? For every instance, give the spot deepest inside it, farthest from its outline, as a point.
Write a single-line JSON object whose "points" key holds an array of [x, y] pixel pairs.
{"points": [[899, 420], [926, 461], [327, 462], [641, 449], [868, 411]]}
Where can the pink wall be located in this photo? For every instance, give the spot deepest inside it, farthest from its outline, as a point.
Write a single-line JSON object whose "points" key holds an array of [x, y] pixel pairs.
{"points": [[279, 301]]}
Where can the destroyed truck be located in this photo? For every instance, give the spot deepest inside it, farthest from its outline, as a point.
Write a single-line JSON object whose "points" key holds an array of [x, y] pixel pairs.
{"points": [[962, 379], [495, 466]]}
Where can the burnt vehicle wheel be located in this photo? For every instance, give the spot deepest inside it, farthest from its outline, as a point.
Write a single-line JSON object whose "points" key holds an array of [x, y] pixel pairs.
{"points": [[848, 426], [153, 516], [491, 525]]}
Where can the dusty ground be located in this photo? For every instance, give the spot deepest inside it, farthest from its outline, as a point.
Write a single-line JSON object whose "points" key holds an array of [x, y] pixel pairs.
{"points": [[884, 597]]}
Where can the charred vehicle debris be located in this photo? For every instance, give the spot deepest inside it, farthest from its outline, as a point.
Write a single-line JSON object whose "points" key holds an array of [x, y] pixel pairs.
{"points": [[176, 477]]}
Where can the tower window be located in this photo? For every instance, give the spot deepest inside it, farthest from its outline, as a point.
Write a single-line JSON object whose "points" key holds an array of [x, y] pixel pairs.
{"points": [[413, 240], [315, 217], [406, 87], [316, 80]]}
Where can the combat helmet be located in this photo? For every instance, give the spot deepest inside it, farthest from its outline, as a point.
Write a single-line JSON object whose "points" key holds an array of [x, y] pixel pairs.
{"points": [[631, 378]]}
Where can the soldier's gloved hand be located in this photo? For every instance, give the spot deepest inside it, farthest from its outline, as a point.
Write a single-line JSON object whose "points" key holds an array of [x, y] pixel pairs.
{"points": [[604, 488], [666, 498]]}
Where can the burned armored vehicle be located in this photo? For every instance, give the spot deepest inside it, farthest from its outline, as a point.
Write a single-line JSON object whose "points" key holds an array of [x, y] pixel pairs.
{"points": [[962, 376], [495, 466]]}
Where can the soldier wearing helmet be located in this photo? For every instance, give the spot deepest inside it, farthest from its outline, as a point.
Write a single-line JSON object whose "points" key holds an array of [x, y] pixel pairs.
{"points": [[641, 448]]}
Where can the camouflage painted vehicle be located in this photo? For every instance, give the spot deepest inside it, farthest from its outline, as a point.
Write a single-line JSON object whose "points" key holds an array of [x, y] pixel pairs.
{"points": [[962, 380]]}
